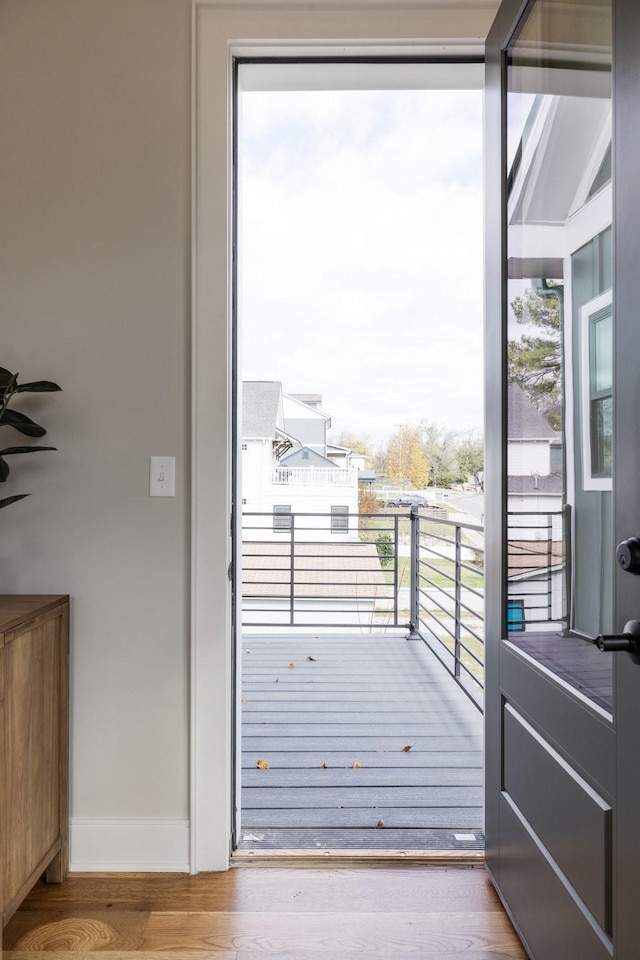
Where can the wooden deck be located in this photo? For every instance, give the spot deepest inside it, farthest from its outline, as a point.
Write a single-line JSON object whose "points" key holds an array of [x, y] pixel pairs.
{"points": [[332, 716]]}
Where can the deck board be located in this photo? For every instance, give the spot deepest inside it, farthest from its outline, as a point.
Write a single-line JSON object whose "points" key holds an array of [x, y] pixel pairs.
{"points": [[358, 700]]}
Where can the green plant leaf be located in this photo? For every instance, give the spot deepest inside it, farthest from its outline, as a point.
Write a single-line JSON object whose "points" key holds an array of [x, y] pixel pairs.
{"points": [[10, 450], [5, 376], [8, 500], [38, 386], [22, 424]]}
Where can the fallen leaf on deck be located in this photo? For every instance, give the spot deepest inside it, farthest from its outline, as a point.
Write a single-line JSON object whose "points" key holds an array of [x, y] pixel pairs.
{"points": [[262, 765], [291, 665], [277, 680], [245, 700], [379, 824], [324, 767], [356, 765], [313, 659], [407, 748]]}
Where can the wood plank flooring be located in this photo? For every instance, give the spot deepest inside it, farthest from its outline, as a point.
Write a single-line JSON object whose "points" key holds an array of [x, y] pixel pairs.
{"points": [[371, 745], [359, 912]]}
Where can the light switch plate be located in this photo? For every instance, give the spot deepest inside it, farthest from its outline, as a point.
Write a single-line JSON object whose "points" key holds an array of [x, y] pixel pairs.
{"points": [[162, 476]]}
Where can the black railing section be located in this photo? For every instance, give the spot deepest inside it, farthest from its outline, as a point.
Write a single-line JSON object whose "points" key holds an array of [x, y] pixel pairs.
{"points": [[448, 601], [324, 570], [403, 569], [538, 571]]}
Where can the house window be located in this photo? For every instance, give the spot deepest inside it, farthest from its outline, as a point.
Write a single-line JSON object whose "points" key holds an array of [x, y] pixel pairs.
{"points": [[281, 516], [555, 456], [515, 616], [597, 392], [244, 446], [339, 519]]}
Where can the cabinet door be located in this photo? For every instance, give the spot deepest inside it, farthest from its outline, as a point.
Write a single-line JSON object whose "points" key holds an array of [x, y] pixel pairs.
{"points": [[33, 663]]}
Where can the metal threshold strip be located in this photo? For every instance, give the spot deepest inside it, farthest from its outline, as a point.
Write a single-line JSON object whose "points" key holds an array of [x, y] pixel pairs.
{"points": [[313, 857]]}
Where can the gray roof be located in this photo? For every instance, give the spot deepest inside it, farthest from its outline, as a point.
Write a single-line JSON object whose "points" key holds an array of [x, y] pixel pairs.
{"points": [[261, 408], [525, 422], [360, 572], [305, 457], [553, 484]]}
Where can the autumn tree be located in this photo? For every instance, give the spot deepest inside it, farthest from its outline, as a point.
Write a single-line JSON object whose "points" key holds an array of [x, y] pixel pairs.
{"points": [[405, 462], [534, 360], [367, 500]]}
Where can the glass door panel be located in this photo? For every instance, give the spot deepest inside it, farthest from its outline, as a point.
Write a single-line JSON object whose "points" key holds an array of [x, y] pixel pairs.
{"points": [[560, 335]]}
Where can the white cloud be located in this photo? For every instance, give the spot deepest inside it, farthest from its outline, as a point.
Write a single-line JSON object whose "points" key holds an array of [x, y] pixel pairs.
{"points": [[361, 253]]}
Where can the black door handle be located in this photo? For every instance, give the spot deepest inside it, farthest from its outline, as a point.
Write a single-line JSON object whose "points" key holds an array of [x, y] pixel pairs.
{"points": [[628, 640], [628, 555]]}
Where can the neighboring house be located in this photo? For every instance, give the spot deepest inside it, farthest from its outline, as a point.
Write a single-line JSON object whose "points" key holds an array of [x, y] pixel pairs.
{"points": [[535, 488], [288, 482], [327, 584], [301, 549]]}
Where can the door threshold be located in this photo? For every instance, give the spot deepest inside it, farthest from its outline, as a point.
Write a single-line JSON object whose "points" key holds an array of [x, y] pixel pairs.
{"points": [[311, 856]]}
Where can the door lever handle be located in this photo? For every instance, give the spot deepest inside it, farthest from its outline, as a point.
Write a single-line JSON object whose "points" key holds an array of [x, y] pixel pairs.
{"points": [[628, 640]]}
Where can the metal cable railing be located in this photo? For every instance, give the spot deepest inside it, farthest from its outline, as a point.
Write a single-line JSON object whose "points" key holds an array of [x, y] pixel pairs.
{"points": [[448, 609], [324, 570], [402, 569]]}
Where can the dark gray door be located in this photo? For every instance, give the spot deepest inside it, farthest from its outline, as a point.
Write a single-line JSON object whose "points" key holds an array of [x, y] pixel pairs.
{"points": [[563, 472]]}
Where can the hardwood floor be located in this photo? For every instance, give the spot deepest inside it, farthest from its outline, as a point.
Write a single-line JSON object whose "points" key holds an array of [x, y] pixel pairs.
{"points": [[360, 912]]}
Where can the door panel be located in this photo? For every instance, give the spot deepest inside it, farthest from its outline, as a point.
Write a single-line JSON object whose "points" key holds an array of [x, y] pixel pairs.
{"points": [[548, 915], [563, 342], [570, 819]]}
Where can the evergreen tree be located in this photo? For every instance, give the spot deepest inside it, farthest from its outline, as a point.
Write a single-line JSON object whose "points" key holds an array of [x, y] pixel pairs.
{"points": [[534, 361]]}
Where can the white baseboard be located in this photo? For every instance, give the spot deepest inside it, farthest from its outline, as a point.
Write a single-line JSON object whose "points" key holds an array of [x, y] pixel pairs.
{"points": [[122, 846]]}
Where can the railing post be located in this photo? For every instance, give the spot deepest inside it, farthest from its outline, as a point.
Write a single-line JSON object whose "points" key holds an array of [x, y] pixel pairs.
{"points": [[292, 571], [458, 608], [396, 584], [549, 567], [414, 580], [565, 536]]}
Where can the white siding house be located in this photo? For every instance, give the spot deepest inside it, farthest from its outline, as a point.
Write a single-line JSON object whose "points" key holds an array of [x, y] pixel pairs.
{"points": [[287, 480]]}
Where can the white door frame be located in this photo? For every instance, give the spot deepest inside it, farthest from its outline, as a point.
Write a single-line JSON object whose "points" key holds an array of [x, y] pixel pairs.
{"points": [[222, 31]]}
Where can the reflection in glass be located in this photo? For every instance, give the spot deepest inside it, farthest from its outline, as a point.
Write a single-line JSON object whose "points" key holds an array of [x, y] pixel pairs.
{"points": [[560, 330]]}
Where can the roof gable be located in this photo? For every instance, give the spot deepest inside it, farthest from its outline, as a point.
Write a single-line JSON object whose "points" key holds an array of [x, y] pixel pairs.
{"points": [[262, 412], [525, 422]]}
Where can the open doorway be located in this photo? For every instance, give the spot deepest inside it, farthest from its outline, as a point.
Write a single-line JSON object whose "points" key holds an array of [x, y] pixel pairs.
{"points": [[359, 428]]}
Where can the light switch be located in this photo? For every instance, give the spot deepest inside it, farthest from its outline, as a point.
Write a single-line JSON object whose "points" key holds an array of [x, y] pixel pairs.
{"points": [[162, 476]]}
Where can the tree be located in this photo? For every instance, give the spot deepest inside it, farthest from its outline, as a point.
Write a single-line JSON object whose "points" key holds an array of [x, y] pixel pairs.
{"points": [[367, 500], [355, 443], [534, 361], [405, 462], [452, 455], [440, 446], [470, 456]]}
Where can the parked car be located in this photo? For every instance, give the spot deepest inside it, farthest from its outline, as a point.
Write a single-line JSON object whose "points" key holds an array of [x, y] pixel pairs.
{"points": [[407, 500]]}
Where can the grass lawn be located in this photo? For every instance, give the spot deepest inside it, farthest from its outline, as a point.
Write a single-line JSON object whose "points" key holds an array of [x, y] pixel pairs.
{"points": [[441, 573]]}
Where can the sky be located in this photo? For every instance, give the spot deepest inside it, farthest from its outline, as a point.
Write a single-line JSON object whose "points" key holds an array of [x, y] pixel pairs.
{"points": [[361, 254]]}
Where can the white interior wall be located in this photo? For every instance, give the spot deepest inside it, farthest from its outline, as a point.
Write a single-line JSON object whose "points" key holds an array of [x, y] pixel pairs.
{"points": [[95, 110], [95, 174]]}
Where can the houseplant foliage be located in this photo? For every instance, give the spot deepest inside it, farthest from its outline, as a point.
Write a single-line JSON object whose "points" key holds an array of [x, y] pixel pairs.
{"points": [[9, 387]]}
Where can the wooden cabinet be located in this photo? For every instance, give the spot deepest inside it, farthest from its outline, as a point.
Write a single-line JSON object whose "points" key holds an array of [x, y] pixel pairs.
{"points": [[34, 754]]}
